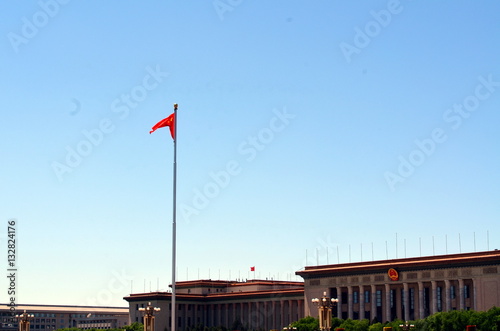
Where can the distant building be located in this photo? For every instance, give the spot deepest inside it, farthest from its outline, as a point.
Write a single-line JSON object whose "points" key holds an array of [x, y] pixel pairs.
{"points": [[51, 317], [257, 304], [406, 289]]}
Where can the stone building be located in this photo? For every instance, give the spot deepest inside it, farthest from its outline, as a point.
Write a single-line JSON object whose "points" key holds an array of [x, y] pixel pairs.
{"points": [[406, 289], [53, 317], [256, 304]]}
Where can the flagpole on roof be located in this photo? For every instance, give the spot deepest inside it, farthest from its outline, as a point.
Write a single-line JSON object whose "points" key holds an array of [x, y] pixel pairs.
{"points": [[173, 220]]}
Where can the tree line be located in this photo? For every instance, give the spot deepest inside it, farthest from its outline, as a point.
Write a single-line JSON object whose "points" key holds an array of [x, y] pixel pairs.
{"points": [[455, 320]]}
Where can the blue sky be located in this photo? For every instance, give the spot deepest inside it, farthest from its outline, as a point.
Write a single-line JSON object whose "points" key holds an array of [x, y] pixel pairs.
{"points": [[308, 132]]}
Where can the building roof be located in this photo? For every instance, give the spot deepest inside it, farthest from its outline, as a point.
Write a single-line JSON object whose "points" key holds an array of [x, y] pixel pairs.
{"points": [[405, 264], [233, 290], [232, 283]]}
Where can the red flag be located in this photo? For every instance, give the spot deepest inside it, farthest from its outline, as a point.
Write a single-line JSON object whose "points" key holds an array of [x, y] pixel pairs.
{"points": [[252, 268], [169, 121]]}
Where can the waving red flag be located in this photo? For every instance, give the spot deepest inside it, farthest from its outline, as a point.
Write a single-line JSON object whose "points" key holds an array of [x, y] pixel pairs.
{"points": [[169, 121]]}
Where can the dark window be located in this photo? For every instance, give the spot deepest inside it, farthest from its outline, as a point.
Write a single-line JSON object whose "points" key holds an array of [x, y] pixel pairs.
{"points": [[344, 297], [466, 291], [367, 296], [412, 298], [439, 294]]}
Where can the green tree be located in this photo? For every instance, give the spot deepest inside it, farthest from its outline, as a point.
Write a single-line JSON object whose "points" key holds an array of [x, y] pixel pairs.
{"points": [[134, 327], [355, 325], [336, 322], [308, 323], [376, 327]]}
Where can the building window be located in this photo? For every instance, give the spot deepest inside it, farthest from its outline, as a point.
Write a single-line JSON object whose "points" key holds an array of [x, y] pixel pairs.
{"points": [[453, 293], [466, 292], [378, 296], [439, 290], [355, 297], [367, 296], [412, 298]]}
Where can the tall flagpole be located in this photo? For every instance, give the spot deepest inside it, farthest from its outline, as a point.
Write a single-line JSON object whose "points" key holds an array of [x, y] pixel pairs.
{"points": [[173, 220]]}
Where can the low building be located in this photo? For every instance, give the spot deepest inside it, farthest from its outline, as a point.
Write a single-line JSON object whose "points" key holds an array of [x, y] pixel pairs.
{"points": [[406, 289], [256, 304], [52, 317]]}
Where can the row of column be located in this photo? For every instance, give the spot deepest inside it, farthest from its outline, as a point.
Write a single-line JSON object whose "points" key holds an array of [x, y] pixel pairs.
{"points": [[253, 314], [384, 300]]}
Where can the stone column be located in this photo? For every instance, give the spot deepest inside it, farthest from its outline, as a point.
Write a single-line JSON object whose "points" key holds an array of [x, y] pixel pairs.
{"points": [[474, 295], [282, 313], [398, 300], [361, 303], [266, 315], [434, 303], [373, 309], [349, 302], [447, 295], [256, 316], [461, 294], [406, 294], [387, 303], [421, 307], [249, 315], [339, 304], [300, 310], [273, 314]]}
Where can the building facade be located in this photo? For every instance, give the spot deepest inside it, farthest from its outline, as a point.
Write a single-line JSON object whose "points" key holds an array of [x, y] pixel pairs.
{"points": [[406, 289], [255, 304], [51, 317]]}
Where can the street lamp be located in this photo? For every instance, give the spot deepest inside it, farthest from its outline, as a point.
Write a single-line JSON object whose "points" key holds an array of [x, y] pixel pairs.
{"points": [[406, 326], [289, 328], [24, 321], [149, 318], [325, 305]]}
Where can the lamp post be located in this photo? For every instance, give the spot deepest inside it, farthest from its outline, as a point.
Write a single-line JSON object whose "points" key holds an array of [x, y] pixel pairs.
{"points": [[149, 318], [406, 326], [24, 321], [325, 305], [289, 328]]}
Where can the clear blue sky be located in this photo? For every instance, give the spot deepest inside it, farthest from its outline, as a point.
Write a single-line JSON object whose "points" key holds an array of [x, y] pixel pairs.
{"points": [[305, 129]]}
